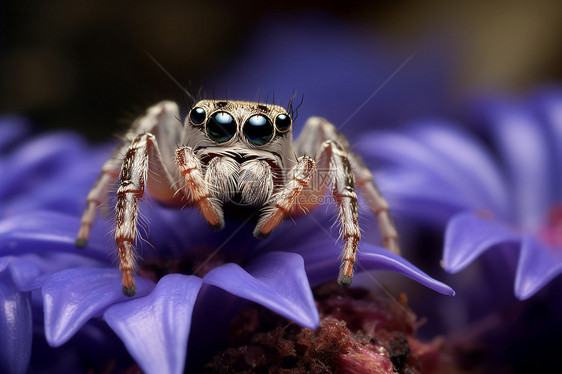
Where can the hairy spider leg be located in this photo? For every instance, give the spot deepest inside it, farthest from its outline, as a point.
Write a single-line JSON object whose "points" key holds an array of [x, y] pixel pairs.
{"points": [[165, 114], [142, 163], [286, 198], [96, 196], [142, 156], [197, 189], [333, 158], [318, 130], [375, 201]]}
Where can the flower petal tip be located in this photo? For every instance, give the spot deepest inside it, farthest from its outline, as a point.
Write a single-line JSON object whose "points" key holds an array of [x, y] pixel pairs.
{"points": [[276, 280], [376, 258], [155, 328], [468, 235], [71, 297], [538, 265]]}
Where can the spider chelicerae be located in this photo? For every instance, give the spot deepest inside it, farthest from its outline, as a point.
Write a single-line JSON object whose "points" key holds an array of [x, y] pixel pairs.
{"points": [[235, 152]]}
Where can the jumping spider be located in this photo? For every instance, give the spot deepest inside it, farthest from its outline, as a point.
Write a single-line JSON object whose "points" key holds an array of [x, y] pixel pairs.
{"points": [[234, 151]]}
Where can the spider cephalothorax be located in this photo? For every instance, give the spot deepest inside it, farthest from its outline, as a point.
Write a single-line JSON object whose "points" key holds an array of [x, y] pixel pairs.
{"points": [[234, 152]]}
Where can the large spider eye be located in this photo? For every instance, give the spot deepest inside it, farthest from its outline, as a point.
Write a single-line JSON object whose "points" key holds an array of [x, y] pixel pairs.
{"points": [[283, 123], [197, 116], [258, 129], [220, 127]]}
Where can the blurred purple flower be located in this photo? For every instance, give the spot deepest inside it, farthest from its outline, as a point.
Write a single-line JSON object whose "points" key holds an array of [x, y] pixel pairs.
{"points": [[343, 72], [509, 200], [41, 204]]}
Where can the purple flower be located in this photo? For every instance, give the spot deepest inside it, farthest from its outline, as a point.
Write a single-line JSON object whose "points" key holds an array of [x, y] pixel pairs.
{"points": [[41, 206], [342, 72], [509, 201], [33, 175], [15, 323]]}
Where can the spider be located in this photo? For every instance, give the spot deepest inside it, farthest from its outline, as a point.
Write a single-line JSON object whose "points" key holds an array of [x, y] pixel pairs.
{"points": [[234, 151]]}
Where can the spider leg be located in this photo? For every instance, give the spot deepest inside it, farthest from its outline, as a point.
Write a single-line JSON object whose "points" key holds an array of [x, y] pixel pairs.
{"points": [[139, 160], [332, 158], [318, 130], [376, 202], [160, 119], [107, 178], [286, 198], [132, 182], [197, 189]]}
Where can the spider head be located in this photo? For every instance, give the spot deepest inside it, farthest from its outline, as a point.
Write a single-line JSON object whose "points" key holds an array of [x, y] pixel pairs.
{"points": [[251, 123]]}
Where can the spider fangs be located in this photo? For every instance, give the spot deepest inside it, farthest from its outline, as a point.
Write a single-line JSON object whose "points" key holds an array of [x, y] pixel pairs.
{"points": [[234, 151]]}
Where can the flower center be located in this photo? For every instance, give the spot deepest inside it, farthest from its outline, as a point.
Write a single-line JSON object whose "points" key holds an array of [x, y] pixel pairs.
{"points": [[551, 232]]}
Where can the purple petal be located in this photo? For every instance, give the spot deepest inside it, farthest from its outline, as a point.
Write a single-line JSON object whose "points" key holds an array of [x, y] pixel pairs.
{"points": [[71, 297], [155, 328], [43, 156], [323, 262], [468, 235], [213, 317], [29, 271], [23, 270], [446, 165], [403, 150], [311, 226], [428, 182], [276, 280], [171, 229], [538, 264], [77, 178], [46, 232], [549, 108], [5, 262], [413, 194], [26, 269], [474, 163], [376, 258], [15, 327], [522, 142], [13, 129]]}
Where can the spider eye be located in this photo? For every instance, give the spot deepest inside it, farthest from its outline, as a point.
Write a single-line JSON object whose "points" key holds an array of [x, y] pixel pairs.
{"points": [[220, 127], [197, 116], [258, 129], [283, 123]]}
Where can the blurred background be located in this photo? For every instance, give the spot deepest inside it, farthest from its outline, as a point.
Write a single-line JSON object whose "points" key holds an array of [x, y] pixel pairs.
{"points": [[84, 65]]}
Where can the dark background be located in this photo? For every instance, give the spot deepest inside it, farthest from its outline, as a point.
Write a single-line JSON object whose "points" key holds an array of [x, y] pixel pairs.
{"points": [[83, 64]]}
